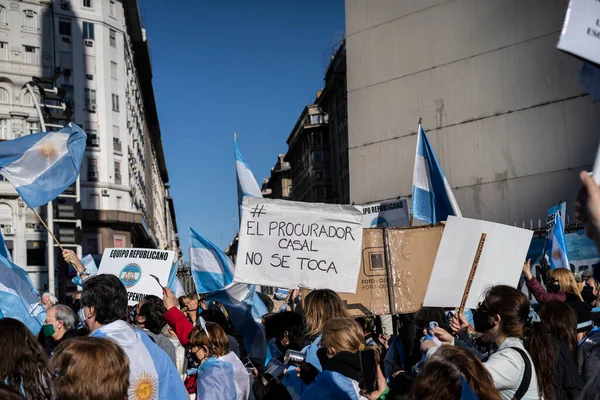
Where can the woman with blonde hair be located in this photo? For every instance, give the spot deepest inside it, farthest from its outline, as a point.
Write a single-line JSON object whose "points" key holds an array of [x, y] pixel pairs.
{"points": [[90, 368], [561, 285], [342, 342], [221, 374], [319, 307]]}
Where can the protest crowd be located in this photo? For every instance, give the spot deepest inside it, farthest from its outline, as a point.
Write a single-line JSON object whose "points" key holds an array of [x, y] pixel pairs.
{"points": [[99, 347]]}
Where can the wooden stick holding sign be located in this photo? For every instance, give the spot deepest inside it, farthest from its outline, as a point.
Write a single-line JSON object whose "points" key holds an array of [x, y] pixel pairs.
{"points": [[463, 302]]}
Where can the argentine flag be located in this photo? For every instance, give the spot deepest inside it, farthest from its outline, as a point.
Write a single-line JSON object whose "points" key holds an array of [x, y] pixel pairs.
{"points": [[42, 165], [18, 298], [212, 272], [557, 245], [247, 185], [152, 373], [174, 283], [432, 197], [231, 375]]}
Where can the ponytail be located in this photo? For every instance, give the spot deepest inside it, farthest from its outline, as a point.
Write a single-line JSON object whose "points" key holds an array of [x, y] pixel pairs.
{"points": [[541, 348]]}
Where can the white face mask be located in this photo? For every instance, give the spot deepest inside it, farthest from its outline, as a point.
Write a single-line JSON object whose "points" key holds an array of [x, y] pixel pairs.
{"points": [[81, 315]]}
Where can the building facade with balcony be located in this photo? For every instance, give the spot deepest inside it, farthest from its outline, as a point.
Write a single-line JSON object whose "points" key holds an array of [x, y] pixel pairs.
{"points": [[279, 184], [101, 50], [309, 157]]}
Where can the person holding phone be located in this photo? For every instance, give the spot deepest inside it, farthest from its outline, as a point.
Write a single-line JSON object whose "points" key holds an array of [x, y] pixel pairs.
{"points": [[348, 366]]}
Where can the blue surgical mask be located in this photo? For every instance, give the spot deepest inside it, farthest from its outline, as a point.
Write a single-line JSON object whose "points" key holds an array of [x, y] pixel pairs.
{"points": [[81, 316]]}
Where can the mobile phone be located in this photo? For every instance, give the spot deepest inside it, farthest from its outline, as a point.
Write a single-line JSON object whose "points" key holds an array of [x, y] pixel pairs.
{"points": [[275, 368], [368, 365]]}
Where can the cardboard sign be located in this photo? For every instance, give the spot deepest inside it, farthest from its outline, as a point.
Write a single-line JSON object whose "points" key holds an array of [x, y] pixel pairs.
{"points": [[581, 31], [412, 253], [387, 214], [289, 244], [500, 261], [134, 266]]}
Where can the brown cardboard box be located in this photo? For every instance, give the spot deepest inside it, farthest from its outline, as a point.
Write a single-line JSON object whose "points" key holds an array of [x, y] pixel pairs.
{"points": [[412, 255]]}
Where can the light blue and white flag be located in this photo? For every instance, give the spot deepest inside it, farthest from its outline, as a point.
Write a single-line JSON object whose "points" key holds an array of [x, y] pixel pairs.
{"points": [[213, 272], [42, 165], [174, 283], [246, 183], [18, 298], [152, 373], [432, 197], [557, 245], [223, 378], [89, 264]]}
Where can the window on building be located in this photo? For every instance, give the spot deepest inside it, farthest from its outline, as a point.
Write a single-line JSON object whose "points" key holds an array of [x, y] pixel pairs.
{"points": [[64, 27], [113, 70], [91, 244], [92, 170], [317, 156], [117, 145], [119, 241], [113, 8], [31, 55], [319, 175], [92, 137], [4, 129], [90, 97], [69, 94], [88, 30], [2, 16], [36, 253], [4, 96], [317, 138], [117, 172], [32, 127], [88, 3], [94, 201], [115, 102], [3, 51], [30, 21], [113, 37]]}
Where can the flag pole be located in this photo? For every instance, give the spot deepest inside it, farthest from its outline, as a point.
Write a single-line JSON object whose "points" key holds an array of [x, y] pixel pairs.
{"points": [[49, 231]]}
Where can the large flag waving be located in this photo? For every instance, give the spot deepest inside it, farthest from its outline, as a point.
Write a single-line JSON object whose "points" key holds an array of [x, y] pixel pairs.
{"points": [[174, 283], [18, 298], [246, 183], [42, 165], [213, 271], [432, 197], [557, 245]]}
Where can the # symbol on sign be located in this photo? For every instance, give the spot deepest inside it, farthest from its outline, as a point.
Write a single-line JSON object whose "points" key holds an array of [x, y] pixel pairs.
{"points": [[258, 211]]}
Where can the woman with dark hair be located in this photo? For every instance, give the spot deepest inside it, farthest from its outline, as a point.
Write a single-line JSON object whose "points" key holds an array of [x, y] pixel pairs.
{"points": [[524, 363], [561, 321], [285, 331], [449, 373], [24, 364]]}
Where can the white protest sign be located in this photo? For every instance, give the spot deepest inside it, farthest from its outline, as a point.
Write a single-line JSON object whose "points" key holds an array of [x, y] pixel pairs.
{"points": [[503, 253], [581, 30], [134, 266], [290, 244], [387, 214]]}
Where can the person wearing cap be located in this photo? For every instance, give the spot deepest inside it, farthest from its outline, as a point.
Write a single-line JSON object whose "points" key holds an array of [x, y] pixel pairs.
{"points": [[588, 336]]}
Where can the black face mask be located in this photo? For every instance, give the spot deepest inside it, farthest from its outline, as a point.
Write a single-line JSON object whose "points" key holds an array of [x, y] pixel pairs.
{"points": [[482, 321], [553, 287]]}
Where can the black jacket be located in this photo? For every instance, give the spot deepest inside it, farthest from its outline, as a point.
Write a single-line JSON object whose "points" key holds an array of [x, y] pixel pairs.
{"points": [[50, 344], [568, 382]]}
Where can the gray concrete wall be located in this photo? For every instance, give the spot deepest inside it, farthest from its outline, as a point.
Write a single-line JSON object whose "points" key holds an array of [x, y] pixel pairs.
{"points": [[508, 120]]}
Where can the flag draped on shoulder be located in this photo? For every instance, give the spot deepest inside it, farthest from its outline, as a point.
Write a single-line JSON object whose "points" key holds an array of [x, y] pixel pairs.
{"points": [[213, 272], [18, 298], [246, 183], [223, 378], [432, 197], [174, 283], [152, 373], [557, 245], [42, 165]]}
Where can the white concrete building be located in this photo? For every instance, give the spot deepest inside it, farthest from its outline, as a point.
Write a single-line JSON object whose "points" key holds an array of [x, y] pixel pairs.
{"points": [[503, 108], [101, 48]]}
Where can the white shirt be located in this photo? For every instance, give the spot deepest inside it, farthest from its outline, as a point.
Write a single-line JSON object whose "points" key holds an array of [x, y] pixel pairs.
{"points": [[507, 367]]}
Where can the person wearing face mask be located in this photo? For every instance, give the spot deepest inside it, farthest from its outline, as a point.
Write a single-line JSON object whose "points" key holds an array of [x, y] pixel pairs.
{"points": [[221, 373], [561, 285], [523, 365], [285, 331], [60, 325]]}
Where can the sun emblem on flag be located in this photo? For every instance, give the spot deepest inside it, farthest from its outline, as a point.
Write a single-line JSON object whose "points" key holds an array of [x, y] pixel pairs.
{"points": [[46, 150], [143, 387], [556, 254]]}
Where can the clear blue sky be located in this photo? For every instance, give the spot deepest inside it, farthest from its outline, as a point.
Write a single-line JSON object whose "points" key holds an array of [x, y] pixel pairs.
{"points": [[225, 66]]}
